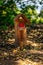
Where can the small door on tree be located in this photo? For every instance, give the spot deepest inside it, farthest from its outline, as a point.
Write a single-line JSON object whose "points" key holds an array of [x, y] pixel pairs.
{"points": [[21, 25]]}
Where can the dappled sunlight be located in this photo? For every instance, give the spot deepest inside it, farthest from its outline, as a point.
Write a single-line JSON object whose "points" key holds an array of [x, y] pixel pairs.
{"points": [[32, 43], [36, 51], [30, 11], [35, 44], [30, 37], [29, 41], [27, 62], [5, 53], [11, 41], [14, 51]]}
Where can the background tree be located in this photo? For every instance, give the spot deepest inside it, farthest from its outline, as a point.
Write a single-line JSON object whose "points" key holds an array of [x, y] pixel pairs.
{"points": [[10, 8], [8, 11]]}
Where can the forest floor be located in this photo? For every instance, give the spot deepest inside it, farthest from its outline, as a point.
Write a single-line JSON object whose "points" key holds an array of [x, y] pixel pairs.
{"points": [[32, 53]]}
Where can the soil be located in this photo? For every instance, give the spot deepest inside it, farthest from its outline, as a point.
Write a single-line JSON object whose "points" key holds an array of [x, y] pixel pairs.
{"points": [[32, 53]]}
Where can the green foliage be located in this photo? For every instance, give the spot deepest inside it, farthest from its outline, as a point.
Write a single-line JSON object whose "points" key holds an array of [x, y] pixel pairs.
{"points": [[9, 9], [41, 13], [7, 13], [4, 27]]}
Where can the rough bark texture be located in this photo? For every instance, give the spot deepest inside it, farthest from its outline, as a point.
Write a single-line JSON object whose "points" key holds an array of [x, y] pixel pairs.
{"points": [[20, 31], [20, 35]]}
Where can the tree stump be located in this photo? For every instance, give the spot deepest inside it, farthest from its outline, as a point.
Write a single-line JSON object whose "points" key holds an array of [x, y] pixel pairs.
{"points": [[20, 30]]}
